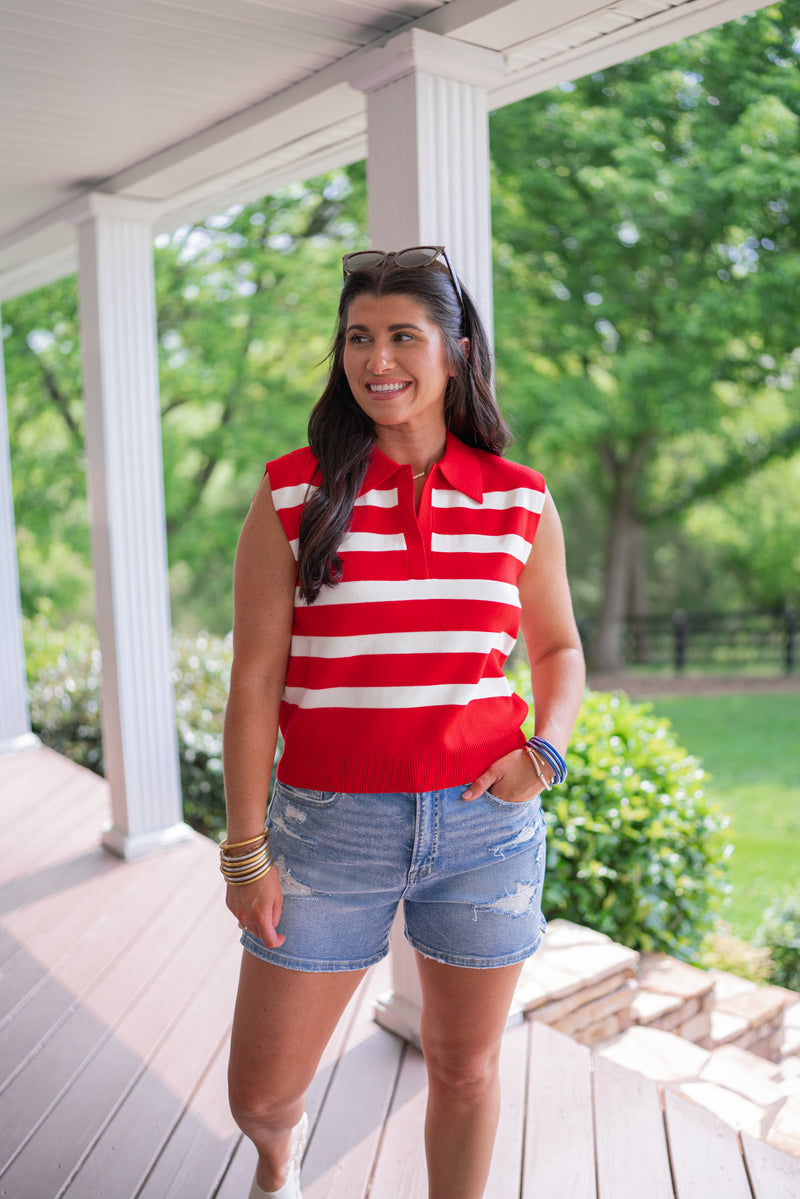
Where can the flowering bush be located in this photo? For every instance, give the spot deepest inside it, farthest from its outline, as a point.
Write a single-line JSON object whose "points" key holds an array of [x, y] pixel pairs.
{"points": [[779, 932], [64, 696]]}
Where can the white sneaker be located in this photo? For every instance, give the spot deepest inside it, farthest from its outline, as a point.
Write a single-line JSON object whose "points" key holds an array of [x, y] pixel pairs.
{"points": [[291, 1188]]}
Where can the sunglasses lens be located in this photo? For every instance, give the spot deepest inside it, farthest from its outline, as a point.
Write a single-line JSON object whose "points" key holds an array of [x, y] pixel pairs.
{"points": [[417, 256], [363, 260]]}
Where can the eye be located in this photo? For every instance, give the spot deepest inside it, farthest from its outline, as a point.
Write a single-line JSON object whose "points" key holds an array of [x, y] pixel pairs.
{"points": [[357, 339], [403, 337]]}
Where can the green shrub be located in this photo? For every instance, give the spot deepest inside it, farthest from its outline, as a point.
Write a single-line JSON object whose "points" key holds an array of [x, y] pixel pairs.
{"points": [[779, 932], [635, 850], [201, 677], [64, 692], [64, 696]]}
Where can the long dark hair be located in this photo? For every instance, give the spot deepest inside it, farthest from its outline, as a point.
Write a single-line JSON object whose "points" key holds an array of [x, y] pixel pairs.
{"points": [[342, 437]]}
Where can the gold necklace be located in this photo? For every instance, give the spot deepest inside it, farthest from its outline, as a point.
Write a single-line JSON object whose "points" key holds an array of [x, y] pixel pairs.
{"points": [[419, 476]]}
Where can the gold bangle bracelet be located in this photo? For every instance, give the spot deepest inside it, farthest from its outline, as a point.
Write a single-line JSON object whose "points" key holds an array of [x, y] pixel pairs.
{"points": [[238, 858], [226, 844], [245, 865], [244, 881]]}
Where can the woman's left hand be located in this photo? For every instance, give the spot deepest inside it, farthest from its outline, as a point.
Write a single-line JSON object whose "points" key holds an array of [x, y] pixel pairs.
{"points": [[511, 778]]}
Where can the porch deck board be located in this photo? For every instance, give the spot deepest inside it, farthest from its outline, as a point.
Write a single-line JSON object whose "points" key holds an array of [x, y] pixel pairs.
{"points": [[705, 1152], [559, 1135], [116, 997], [632, 1158]]}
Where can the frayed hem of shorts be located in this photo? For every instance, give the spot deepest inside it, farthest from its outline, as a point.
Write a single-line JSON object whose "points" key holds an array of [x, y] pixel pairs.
{"points": [[275, 958], [450, 959]]}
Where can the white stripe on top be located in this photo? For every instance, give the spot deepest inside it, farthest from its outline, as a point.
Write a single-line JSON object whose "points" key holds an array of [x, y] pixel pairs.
{"points": [[436, 696], [479, 543], [373, 542], [292, 497], [380, 591], [447, 641], [515, 497], [383, 498], [362, 542]]}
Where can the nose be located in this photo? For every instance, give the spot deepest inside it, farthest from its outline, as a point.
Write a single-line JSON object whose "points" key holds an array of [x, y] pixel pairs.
{"points": [[381, 357]]}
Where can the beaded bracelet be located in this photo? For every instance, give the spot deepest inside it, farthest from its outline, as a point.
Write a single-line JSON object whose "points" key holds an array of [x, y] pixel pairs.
{"points": [[550, 755]]}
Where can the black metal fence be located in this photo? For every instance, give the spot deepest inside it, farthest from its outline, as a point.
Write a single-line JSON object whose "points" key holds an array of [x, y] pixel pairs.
{"points": [[758, 642]]}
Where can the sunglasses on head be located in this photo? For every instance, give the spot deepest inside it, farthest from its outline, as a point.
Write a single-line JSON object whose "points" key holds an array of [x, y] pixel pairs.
{"points": [[413, 256]]}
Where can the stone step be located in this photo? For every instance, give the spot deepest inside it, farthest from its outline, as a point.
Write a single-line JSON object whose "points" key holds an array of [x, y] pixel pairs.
{"points": [[570, 961], [586, 1022], [784, 1131], [742, 1114], [661, 1056], [747, 1074], [664, 975], [723, 1041]]}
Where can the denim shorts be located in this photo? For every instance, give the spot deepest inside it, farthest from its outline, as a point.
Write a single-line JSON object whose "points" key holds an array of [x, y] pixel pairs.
{"points": [[470, 874]]}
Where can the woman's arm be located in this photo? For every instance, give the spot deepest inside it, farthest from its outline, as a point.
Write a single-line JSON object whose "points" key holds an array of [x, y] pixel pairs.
{"points": [[555, 656], [263, 601]]}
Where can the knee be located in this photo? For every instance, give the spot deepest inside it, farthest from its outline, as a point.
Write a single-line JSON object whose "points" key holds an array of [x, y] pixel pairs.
{"points": [[252, 1103], [466, 1074]]}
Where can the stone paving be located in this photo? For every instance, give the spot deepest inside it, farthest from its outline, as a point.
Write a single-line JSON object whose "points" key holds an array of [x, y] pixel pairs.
{"points": [[724, 1042]]}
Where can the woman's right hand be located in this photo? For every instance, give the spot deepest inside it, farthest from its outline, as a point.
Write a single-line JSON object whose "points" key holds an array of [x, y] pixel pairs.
{"points": [[257, 906]]}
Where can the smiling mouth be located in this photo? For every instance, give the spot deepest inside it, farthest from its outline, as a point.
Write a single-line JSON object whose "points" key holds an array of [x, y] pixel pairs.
{"points": [[386, 388]]}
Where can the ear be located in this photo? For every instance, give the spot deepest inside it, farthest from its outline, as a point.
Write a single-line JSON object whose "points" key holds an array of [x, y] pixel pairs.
{"points": [[465, 344]]}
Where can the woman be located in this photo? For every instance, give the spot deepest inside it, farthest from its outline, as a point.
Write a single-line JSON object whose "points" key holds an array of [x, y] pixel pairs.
{"points": [[380, 580]]}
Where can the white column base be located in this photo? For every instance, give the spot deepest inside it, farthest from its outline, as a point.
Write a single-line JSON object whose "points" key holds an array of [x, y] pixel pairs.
{"points": [[21, 744], [401, 1017], [132, 846]]}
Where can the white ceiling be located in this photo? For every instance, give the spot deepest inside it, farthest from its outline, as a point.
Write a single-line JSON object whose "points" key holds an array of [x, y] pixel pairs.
{"points": [[193, 104]]}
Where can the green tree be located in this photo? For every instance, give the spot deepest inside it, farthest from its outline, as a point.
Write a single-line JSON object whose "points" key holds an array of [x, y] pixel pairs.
{"points": [[647, 260], [245, 317]]}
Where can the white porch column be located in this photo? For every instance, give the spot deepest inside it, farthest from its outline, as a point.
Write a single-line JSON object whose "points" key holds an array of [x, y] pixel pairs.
{"points": [[126, 499], [428, 184], [15, 724], [428, 151]]}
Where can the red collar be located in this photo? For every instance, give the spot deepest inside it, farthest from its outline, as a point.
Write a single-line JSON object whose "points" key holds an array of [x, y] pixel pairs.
{"points": [[460, 466]]}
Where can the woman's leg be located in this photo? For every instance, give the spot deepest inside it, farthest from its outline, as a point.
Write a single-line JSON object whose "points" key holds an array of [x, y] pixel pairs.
{"points": [[282, 1023], [464, 1013]]}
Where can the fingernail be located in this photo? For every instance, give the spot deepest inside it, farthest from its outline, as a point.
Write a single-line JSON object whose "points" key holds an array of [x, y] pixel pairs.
{"points": [[466, 795]]}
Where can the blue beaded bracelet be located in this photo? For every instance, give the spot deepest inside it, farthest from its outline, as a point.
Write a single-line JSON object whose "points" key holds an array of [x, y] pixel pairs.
{"points": [[551, 755]]}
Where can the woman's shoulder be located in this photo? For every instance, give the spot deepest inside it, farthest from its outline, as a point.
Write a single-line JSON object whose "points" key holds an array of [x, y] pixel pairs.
{"points": [[298, 466], [503, 473]]}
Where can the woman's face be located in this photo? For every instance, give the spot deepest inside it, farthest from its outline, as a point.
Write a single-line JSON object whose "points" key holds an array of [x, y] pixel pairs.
{"points": [[396, 363]]}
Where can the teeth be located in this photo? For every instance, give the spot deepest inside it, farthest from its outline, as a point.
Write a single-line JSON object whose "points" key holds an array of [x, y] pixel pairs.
{"points": [[386, 386]]}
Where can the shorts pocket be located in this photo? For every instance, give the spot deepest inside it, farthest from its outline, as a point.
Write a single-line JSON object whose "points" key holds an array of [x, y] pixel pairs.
{"points": [[510, 805], [305, 797]]}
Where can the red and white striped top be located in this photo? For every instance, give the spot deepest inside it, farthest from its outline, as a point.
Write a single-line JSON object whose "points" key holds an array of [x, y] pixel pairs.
{"points": [[395, 679]]}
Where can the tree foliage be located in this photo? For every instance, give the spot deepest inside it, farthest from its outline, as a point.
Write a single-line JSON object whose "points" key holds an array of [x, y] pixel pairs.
{"points": [[245, 316], [647, 215]]}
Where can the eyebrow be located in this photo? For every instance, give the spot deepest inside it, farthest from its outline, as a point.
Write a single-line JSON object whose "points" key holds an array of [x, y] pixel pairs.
{"points": [[392, 328]]}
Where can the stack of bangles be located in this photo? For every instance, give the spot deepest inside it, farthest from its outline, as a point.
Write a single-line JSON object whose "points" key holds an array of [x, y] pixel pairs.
{"points": [[542, 753], [239, 869]]}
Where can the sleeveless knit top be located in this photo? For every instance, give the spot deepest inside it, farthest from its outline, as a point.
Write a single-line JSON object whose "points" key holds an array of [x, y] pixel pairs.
{"points": [[395, 678]]}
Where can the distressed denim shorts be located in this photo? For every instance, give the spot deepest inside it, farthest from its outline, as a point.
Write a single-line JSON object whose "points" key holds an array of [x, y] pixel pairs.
{"points": [[470, 874]]}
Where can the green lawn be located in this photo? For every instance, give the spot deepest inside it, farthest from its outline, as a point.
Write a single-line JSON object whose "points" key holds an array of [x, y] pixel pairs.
{"points": [[750, 745]]}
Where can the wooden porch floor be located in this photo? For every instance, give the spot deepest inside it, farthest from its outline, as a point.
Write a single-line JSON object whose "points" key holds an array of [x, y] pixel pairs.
{"points": [[117, 990]]}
